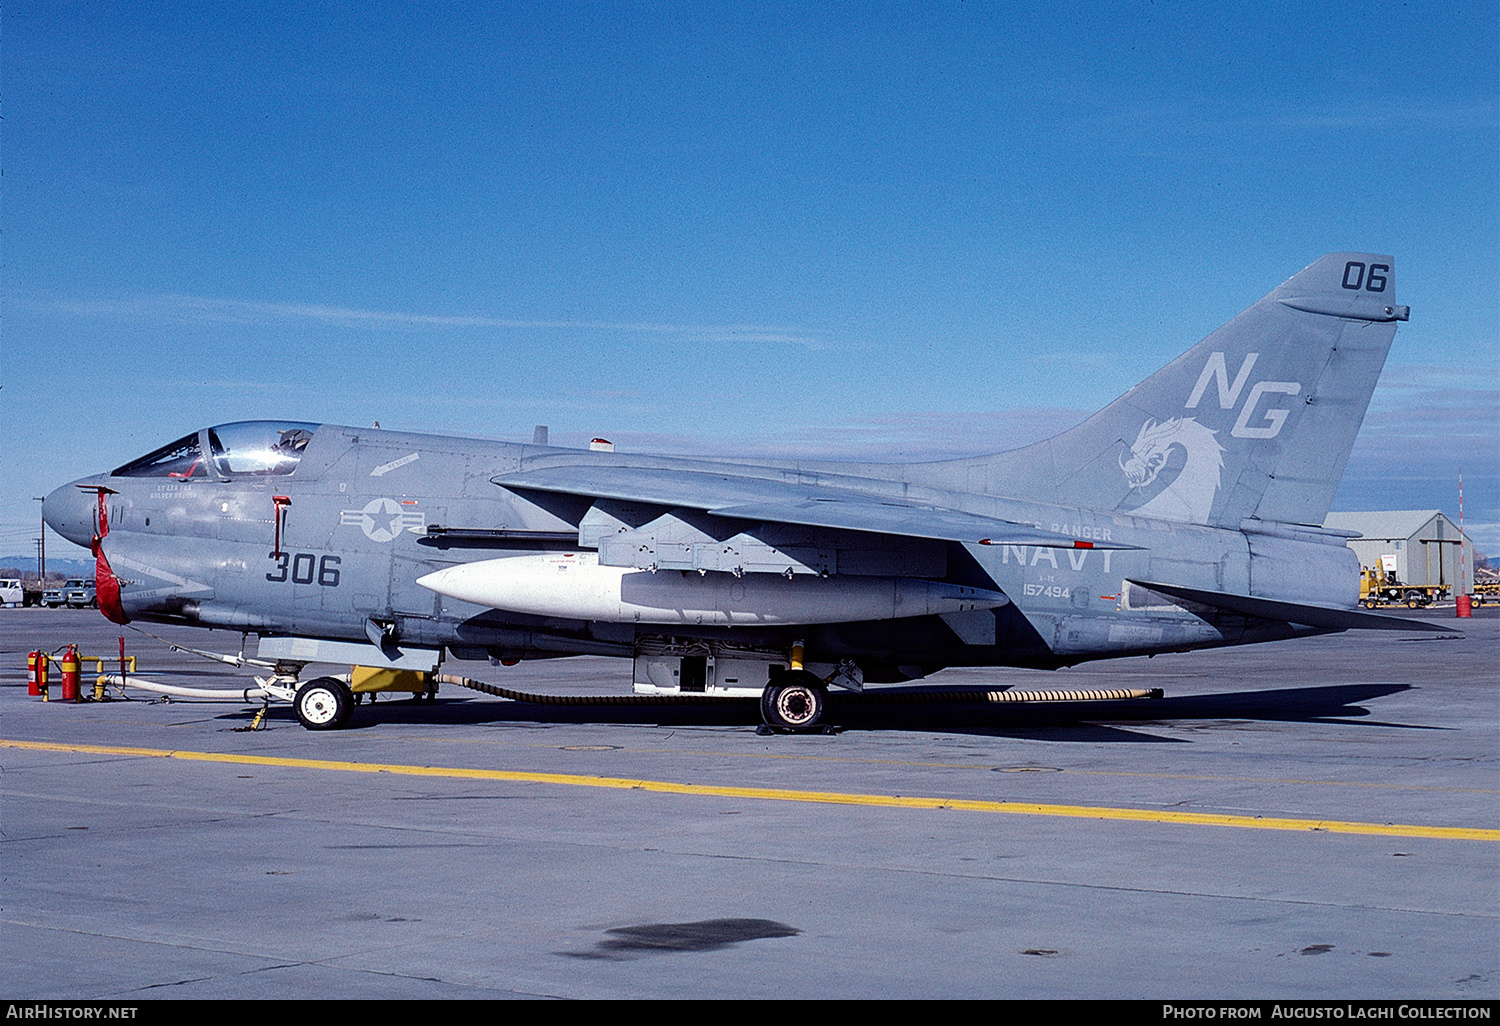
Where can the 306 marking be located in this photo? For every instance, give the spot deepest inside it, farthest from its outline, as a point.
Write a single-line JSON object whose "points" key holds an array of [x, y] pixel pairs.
{"points": [[299, 569]]}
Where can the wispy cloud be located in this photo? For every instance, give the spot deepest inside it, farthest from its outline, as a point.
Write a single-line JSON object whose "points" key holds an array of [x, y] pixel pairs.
{"points": [[1290, 112], [1453, 403], [184, 308], [1426, 426]]}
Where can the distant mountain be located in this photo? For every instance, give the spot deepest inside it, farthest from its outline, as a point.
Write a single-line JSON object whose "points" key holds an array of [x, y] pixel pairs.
{"points": [[66, 567]]}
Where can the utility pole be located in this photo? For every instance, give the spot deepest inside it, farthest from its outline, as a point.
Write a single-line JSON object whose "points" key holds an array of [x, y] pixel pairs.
{"points": [[42, 542]]}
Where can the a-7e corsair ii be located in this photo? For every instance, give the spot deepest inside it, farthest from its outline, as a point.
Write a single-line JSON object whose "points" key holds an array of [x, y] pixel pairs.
{"points": [[1184, 515]]}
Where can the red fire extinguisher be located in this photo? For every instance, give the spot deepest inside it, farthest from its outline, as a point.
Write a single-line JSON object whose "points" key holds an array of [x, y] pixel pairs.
{"points": [[70, 674], [41, 675]]}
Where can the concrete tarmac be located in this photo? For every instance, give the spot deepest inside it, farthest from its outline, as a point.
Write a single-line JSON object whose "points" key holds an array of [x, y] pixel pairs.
{"points": [[1313, 819]]}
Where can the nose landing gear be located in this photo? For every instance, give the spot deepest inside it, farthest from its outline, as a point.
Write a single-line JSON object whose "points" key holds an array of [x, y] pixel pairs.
{"points": [[324, 703]]}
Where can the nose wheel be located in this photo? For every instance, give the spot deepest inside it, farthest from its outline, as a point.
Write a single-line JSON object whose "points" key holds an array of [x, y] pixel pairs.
{"points": [[324, 704], [794, 702]]}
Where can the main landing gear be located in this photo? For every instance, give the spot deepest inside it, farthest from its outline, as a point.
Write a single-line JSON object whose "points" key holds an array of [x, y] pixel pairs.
{"points": [[794, 702]]}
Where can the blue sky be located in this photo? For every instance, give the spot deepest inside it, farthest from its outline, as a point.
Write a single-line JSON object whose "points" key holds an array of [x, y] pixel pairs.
{"points": [[913, 230]]}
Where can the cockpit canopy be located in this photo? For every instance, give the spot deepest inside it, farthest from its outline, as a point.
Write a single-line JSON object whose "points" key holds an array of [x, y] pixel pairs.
{"points": [[248, 448]]}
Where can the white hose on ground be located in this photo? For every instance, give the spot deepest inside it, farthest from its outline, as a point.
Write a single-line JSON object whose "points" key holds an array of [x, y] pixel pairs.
{"points": [[209, 694]]}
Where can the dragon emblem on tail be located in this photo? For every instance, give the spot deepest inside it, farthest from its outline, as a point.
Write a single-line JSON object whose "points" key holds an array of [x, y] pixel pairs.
{"points": [[1190, 495]]}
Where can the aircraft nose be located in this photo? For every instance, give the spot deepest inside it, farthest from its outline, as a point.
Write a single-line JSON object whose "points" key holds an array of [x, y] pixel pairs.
{"points": [[69, 511]]}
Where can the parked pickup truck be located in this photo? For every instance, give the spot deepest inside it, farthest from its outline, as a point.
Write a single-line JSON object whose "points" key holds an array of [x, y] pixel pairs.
{"points": [[77, 592]]}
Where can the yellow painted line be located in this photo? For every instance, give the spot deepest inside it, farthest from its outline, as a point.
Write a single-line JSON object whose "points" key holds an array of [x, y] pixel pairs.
{"points": [[983, 768], [779, 794]]}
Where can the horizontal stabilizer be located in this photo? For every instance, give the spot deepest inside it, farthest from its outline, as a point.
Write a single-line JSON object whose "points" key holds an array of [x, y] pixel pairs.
{"points": [[1294, 612]]}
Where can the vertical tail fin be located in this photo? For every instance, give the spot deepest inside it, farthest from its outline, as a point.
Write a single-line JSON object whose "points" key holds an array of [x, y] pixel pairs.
{"points": [[1256, 421]]}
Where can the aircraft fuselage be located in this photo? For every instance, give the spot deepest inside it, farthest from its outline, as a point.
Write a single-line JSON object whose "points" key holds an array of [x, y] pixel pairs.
{"points": [[366, 513]]}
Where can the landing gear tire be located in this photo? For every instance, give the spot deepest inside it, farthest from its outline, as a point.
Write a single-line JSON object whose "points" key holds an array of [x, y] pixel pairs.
{"points": [[794, 702], [324, 704]]}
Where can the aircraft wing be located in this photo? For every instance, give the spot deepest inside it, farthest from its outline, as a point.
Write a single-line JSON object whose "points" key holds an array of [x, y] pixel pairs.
{"points": [[694, 489], [884, 516], [788, 502]]}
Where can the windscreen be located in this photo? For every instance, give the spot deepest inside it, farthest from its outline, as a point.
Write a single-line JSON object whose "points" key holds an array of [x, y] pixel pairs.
{"points": [[181, 459]]}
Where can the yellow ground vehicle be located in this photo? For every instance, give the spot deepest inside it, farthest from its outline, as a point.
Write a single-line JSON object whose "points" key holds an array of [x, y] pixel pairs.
{"points": [[1486, 587], [1378, 587]]}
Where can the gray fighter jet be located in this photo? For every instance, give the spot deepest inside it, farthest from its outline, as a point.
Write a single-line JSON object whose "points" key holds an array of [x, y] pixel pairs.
{"points": [[1184, 515]]}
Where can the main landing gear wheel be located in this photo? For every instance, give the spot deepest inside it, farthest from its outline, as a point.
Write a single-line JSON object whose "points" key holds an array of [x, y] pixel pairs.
{"points": [[324, 704], [794, 702]]}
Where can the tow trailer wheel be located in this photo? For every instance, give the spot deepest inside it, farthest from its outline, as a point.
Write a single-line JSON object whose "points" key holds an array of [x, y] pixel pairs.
{"points": [[324, 704], [793, 701]]}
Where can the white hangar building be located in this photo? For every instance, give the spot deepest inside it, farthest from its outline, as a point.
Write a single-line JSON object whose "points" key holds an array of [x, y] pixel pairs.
{"points": [[1422, 544]]}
